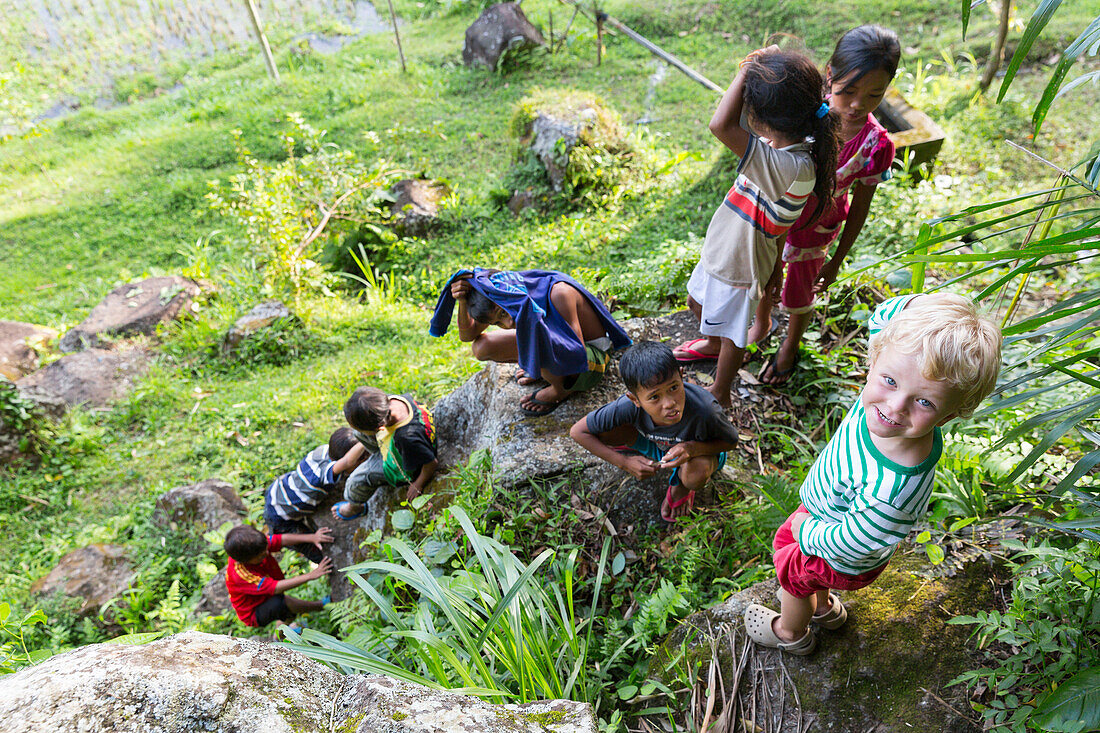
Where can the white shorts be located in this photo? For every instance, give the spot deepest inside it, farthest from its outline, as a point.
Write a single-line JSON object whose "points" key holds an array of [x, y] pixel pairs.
{"points": [[727, 311]]}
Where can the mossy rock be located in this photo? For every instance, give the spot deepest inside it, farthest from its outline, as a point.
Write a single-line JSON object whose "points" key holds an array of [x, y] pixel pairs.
{"points": [[886, 670], [572, 144]]}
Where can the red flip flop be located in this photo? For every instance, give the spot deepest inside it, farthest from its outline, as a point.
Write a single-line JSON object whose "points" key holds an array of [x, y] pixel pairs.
{"points": [[689, 353], [689, 500]]}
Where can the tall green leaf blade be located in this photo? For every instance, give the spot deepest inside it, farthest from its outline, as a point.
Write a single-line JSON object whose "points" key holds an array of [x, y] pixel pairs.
{"points": [[1077, 700], [1088, 37], [1039, 19]]}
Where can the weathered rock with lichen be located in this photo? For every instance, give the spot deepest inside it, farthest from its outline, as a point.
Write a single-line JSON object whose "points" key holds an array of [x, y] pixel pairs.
{"points": [[195, 681], [262, 316], [93, 378], [94, 575], [501, 29], [200, 507], [134, 308], [18, 347], [886, 670], [416, 205]]}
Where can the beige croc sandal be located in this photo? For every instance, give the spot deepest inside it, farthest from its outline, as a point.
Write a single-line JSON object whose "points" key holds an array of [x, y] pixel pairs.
{"points": [[832, 620], [758, 625], [835, 617]]}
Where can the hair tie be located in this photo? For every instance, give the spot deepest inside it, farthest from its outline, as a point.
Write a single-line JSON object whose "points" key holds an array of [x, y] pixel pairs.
{"points": [[822, 110]]}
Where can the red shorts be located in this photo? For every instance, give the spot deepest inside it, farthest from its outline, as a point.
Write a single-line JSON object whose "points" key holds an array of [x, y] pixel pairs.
{"points": [[798, 285], [803, 575]]}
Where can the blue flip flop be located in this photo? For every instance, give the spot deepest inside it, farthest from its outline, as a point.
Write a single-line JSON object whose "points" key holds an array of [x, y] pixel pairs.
{"points": [[340, 514]]}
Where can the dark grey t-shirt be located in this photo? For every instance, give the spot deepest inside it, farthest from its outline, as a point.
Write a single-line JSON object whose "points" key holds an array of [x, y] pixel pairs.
{"points": [[703, 420]]}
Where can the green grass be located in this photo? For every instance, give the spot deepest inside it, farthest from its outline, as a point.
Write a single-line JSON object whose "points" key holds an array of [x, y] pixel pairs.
{"points": [[105, 196]]}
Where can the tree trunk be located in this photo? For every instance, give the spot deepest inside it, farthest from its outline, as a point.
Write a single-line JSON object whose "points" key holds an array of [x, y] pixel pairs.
{"points": [[997, 54]]}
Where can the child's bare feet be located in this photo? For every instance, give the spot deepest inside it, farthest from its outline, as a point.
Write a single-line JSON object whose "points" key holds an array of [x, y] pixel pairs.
{"points": [[723, 396], [543, 401], [781, 366]]}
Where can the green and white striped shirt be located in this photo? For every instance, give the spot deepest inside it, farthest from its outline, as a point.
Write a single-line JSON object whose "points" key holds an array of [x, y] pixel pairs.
{"points": [[861, 503]]}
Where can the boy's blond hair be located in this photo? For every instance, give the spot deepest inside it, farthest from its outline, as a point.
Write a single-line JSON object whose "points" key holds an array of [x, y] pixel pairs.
{"points": [[953, 342]]}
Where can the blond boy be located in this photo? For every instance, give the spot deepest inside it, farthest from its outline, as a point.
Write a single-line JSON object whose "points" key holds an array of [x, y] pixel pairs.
{"points": [[932, 358]]}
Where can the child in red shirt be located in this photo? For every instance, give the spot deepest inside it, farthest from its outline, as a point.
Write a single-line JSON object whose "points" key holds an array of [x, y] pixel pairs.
{"points": [[255, 581]]}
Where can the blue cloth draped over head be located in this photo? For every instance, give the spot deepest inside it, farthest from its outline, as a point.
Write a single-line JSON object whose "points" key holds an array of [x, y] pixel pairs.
{"points": [[544, 338]]}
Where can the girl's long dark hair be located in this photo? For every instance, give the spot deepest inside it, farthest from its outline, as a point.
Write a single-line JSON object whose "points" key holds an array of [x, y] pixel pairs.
{"points": [[785, 91]]}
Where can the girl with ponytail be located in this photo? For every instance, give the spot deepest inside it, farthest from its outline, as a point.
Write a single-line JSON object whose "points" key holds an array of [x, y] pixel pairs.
{"points": [[775, 118], [862, 66]]}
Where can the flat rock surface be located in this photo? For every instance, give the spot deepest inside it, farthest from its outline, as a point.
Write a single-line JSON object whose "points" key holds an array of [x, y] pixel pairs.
{"points": [[93, 378], [195, 681], [17, 340], [134, 308], [94, 574]]}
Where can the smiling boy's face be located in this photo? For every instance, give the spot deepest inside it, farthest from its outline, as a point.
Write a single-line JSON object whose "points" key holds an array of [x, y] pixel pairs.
{"points": [[664, 402], [901, 403]]}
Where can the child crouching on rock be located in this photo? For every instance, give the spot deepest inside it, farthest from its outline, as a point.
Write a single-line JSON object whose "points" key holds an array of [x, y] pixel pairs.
{"points": [[932, 358], [292, 498], [554, 328], [399, 434], [660, 422], [255, 581]]}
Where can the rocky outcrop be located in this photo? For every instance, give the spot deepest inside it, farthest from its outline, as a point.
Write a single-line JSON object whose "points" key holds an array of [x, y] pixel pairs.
{"points": [[196, 681], [483, 414], [257, 319], [200, 507], [135, 308], [500, 29], [18, 341], [886, 670], [93, 378], [94, 574], [416, 205]]}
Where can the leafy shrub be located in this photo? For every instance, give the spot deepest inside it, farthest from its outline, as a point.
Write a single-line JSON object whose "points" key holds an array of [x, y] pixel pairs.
{"points": [[286, 208], [652, 283], [1049, 634]]}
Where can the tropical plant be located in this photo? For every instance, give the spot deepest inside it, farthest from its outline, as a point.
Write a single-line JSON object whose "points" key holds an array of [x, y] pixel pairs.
{"points": [[479, 620], [287, 209], [14, 652]]}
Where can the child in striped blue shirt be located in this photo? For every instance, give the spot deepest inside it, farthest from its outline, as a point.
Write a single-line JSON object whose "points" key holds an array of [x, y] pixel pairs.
{"points": [[292, 498], [932, 358]]}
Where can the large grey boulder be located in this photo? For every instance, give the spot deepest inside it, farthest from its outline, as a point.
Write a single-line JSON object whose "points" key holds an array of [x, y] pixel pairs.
{"points": [[199, 507], [260, 317], [483, 414], [886, 670], [17, 347], [135, 308], [501, 28], [195, 681], [94, 378], [94, 575]]}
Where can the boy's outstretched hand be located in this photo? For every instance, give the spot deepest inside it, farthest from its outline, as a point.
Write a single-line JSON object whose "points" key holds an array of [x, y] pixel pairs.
{"points": [[320, 537], [639, 467], [323, 568]]}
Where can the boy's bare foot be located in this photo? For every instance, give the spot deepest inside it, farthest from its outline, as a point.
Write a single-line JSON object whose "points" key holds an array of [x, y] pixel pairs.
{"points": [[760, 330], [525, 379], [699, 349], [723, 399]]}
